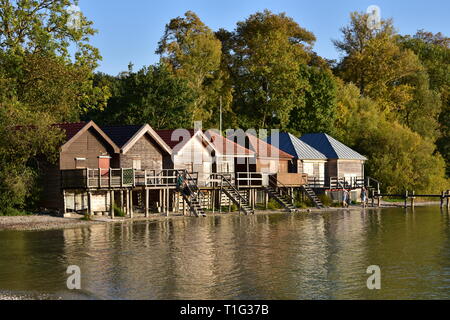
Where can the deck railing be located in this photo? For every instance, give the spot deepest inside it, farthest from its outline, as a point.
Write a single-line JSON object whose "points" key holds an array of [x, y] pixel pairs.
{"points": [[249, 179], [118, 178]]}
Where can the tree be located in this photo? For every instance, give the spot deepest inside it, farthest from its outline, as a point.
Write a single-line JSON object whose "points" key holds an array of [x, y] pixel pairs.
{"points": [[265, 54], [433, 51], [152, 95], [376, 64], [398, 157], [193, 53], [35, 37], [318, 114]]}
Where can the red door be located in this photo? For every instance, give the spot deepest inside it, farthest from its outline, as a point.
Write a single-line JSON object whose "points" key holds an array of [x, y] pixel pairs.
{"points": [[104, 164]]}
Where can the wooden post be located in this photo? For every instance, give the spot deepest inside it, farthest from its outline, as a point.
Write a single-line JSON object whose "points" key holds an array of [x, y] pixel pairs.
{"points": [[442, 199], [379, 200], [89, 202], [127, 202], [168, 201], [412, 199], [147, 195], [131, 204], [448, 198], [111, 206], [406, 199], [121, 199], [266, 200], [373, 198], [184, 207], [64, 208]]}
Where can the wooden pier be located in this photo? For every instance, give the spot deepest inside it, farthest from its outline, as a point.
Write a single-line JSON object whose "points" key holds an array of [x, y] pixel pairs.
{"points": [[410, 197]]}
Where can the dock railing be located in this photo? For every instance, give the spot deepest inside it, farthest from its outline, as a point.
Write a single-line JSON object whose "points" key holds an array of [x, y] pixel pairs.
{"points": [[117, 178]]}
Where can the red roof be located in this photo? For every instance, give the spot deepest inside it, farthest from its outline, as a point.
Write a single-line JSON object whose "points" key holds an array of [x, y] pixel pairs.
{"points": [[71, 129], [173, 138], [226, 146], [263, 149]]}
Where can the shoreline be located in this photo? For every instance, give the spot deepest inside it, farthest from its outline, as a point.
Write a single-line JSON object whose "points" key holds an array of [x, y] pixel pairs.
{"points": [[49, 222]]}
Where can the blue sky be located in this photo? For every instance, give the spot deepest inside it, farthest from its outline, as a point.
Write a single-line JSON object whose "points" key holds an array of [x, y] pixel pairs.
{"points": [[129, 30]]}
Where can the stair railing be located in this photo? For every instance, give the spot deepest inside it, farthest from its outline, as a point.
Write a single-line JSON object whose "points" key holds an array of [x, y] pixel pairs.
{"points": [[194, 191], [278, 185], [231, 186]]}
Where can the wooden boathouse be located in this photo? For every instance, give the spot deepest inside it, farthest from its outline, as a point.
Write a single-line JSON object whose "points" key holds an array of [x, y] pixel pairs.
{"points": [[137, 170]]}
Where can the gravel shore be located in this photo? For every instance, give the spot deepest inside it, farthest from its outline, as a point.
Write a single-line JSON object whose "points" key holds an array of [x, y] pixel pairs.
{"points": [[41, 222], [47, 222]]}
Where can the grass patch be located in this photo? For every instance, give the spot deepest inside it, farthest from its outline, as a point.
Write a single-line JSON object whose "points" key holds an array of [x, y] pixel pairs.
{"points": [[12, 212], [273, 205], [118, 212], [87, 217], [326, 200]]}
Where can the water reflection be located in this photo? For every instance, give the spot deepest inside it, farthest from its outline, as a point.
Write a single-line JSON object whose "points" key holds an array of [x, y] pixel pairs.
{"points": [[318, 256]]}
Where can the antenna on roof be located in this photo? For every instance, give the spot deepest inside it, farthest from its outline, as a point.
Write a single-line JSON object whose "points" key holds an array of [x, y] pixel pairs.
{"points": [[221, 115]]}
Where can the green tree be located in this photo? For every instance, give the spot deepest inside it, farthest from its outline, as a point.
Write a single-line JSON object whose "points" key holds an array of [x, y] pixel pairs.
{"points": [[193, 53], [35, 38], [376, 63], [434, 53], [319, 113], [398, 157], [152, 95], [264, 56]]}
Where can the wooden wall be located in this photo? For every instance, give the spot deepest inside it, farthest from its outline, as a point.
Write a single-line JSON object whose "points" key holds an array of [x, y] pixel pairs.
{"points": [[195, 157], [90, 146], [147, 151], [350, 167]]}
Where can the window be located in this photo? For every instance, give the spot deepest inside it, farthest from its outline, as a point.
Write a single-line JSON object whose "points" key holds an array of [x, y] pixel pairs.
{"points": [[137, 164], [80, 163]]}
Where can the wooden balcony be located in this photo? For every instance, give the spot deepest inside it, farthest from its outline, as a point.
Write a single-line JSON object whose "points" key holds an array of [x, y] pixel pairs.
{"points": [[290, 179], [117, 178]]}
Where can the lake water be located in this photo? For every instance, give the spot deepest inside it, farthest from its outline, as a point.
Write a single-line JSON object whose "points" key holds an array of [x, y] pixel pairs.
{"points": [[315, 256]]}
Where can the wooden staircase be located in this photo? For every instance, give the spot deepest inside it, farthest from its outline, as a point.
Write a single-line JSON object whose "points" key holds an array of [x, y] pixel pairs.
{"points": [[235, 196], [313, 197], [283, 199], [274, 190], [192, 195]]}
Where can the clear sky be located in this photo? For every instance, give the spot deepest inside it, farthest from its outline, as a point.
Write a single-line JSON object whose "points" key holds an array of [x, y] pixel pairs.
{"points": [[129, 30]]}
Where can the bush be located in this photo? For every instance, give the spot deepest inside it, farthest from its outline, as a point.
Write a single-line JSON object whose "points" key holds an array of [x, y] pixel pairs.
{"points": [[273, 205], [87, 217], [118, 212], [10, 212], [326, 200]]}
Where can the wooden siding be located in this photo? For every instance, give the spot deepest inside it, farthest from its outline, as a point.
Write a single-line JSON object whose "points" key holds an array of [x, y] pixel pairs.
{"points": [[89, 145], [331, 169], [195, 157], [272, 166], [147, 151], [350, 167]]}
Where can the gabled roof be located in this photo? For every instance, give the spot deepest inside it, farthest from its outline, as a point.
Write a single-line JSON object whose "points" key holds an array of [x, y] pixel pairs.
{"points": [[177, 139], [70, 129], [173, 138], [265, 150], [330, 147], [121, 134], [75, 130], [126, 136], [227, 147], [295, 147]]}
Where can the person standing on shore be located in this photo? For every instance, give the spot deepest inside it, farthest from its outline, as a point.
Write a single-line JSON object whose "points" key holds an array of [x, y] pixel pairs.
{"points": [[345, 199], [363, 197]]}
